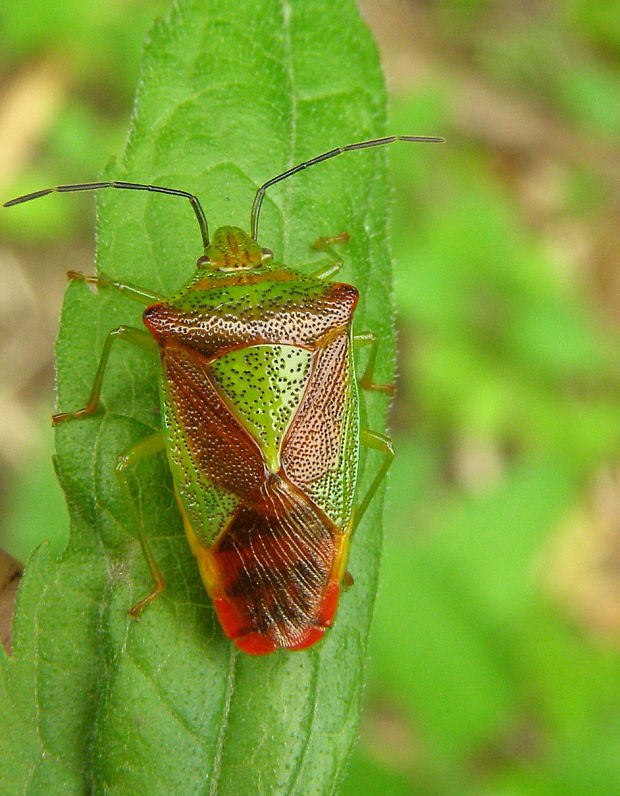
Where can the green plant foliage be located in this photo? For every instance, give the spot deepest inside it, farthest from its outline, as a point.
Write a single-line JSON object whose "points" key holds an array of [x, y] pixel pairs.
{"points": [[230, 95], [492, 683], [495, 644]]}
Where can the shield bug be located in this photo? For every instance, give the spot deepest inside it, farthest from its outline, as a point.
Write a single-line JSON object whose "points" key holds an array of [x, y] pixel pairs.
{"points": [[260, 416]]}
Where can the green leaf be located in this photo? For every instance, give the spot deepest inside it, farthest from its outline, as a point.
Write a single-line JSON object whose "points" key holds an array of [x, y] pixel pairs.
{"points": [[231, 94]]}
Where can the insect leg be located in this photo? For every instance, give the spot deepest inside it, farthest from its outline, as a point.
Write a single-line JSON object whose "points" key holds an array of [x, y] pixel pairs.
{"points": [[379, 442], [370, 338], [331, 267], [131, 291], [135, 336], [146, 447]]}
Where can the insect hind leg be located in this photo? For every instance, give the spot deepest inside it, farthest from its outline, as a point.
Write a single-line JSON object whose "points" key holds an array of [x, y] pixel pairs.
{"points": [[129, 458]]}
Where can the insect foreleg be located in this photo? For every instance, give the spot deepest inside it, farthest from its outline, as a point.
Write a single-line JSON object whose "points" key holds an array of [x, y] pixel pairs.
{"points": [[333, 265], [134, 292]]}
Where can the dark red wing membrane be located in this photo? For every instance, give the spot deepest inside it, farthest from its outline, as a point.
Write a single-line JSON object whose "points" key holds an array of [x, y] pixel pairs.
{"points": [[275, 563]]}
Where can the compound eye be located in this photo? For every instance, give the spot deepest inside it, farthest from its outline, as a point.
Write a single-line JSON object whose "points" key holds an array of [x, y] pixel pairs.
{"points": [[267, 255]]}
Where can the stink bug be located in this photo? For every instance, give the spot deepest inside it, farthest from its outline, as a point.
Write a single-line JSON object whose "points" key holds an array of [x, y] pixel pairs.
{"points": [[261, 427]]}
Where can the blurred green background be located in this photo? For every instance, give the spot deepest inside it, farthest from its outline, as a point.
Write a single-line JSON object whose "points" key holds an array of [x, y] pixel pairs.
{"points": [[495, 654]]}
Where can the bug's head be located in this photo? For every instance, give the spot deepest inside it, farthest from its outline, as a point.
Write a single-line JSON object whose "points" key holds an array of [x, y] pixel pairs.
{"points": [[231, 250]]}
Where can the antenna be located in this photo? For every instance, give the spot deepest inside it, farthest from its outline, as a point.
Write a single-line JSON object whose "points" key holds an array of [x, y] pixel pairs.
{"points": [[134, 186], [258, 199]]}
